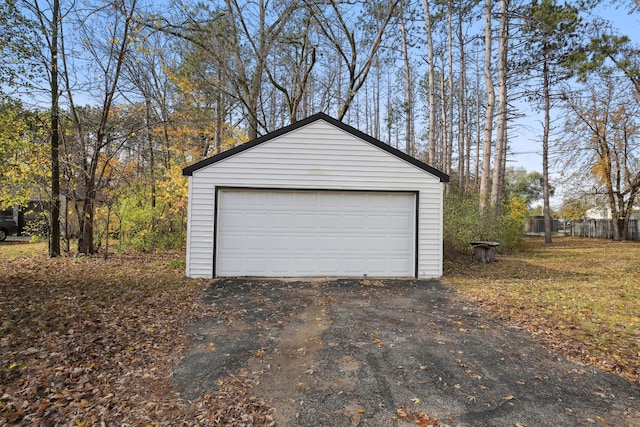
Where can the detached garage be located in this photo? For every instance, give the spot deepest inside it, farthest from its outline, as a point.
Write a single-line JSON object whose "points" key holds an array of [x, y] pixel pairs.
{"points": [[314, 199]]}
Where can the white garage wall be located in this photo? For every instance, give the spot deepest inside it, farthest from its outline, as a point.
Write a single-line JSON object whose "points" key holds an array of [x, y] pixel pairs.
{"points": [[316, 156]]}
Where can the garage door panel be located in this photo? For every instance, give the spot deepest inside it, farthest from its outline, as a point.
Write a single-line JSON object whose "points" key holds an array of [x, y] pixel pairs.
{"points": [[303, 224], [315, 233], [326, 244]]}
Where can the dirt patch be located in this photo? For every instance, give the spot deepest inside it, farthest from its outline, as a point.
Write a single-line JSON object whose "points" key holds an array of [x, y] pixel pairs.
{"points": [[365, 353], [287, 372]]}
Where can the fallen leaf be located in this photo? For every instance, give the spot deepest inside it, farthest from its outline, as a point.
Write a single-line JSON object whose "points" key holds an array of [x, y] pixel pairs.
{"points": [[99, 334]]}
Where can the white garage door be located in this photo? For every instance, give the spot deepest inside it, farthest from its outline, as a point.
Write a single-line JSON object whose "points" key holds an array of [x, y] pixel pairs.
{"points": [[315, 233]]}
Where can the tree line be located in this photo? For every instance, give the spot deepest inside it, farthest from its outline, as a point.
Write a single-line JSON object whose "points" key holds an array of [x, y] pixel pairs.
{"points": [[104, 102]]}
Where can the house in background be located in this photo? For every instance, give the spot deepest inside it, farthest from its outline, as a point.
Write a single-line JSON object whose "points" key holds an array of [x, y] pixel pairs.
{"points": [[604, 212], [317, 198], [598, 223]]}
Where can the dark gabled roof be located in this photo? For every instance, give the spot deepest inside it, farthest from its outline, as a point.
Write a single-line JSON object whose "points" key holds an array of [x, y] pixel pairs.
{"points": [[188, 171]]}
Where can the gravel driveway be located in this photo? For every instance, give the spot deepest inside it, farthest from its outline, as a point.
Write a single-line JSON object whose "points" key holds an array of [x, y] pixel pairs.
{"points": [[368, 352]]}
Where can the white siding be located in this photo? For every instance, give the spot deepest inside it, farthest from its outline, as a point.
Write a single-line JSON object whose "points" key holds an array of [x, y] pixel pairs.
{"points": [[316, 156]]}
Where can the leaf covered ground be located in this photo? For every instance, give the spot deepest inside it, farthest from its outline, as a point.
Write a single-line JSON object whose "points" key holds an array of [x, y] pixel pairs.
{"points": [[84, 342], [580, 296]]}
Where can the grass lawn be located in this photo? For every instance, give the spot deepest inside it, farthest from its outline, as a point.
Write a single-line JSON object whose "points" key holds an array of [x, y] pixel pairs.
{"points": [[580, 296]]}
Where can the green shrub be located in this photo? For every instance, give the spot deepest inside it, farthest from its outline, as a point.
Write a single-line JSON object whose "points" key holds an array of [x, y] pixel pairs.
{"points": [[142, 226], [464, 223], [37, 228]]}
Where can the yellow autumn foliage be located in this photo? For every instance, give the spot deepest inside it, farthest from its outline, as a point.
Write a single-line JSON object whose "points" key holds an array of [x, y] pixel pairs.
{"points": [[24, 157]]}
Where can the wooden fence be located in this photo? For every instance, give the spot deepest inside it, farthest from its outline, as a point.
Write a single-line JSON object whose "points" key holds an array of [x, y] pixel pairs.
{"points": [[535, 225], [592, 228], [600, 229]]}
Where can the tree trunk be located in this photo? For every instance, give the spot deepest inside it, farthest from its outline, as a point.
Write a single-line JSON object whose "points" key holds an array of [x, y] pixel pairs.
{"points": [[450, 85], [488, 121], [445, 164], [54, 238], [613, 207], [408, 95], [545, 153], [152, 160], [390, 117], [478, 120], [497, 188], [376, 117], [627, 217], [219, 111], [86, 217], [463, 140], [431, 88]]}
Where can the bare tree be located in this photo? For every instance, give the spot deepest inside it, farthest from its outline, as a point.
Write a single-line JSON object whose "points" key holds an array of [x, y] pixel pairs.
{"points": [[477, 114], [47, 19], [240, 37], [550, 31], [333, 22], [445, 161], [54, 238], [463, 135], [150, 86], [296, 60], [255, 32], [602, 125], [499, 163], [450, 92], [107, 46], [488, 120], [431, 83], [408, 92]]}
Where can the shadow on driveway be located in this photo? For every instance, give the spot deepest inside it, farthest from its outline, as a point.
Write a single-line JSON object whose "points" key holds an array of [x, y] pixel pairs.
{"points": [[360, 352]]}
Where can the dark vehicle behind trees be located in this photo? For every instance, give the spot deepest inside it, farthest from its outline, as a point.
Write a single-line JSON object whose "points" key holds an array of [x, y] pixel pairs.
{"points": [[8, 226]]}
